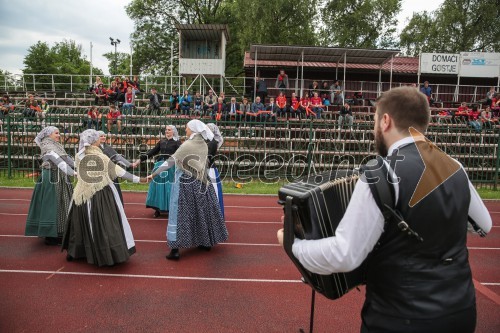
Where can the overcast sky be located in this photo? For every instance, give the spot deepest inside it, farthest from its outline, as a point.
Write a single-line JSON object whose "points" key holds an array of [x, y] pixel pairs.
{"points": [[25, 22]]}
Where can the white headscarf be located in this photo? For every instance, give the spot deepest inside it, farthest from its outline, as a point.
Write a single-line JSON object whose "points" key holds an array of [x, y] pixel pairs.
{"points": [[197, 127], [47, 131], [217, 135], [87, 138], [101, 133], [175, 136]]}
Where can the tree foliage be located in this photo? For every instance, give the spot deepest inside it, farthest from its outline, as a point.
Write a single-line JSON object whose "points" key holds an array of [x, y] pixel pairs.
{"points": [[63, 58], [360, 23], [122, 63], [258, 21], [457, 25]]}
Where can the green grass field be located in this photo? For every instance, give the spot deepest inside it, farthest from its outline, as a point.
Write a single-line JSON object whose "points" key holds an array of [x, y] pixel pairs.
{"points": [[229, 187]]}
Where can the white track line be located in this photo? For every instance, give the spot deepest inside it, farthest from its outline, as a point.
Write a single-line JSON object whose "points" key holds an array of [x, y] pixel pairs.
{"points": [[143, 276], [490, 284], [237, 244]]}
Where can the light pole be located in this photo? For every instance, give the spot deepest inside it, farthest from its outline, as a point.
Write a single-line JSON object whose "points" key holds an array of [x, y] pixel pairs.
{"points": [[115, 42]]}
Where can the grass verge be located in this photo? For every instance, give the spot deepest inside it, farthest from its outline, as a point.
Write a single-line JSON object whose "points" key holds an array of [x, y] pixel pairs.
{"points": [[229, 187]]}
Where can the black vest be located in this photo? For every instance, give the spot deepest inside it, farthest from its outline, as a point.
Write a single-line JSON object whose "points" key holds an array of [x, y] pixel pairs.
{"points": [[430, 279]]}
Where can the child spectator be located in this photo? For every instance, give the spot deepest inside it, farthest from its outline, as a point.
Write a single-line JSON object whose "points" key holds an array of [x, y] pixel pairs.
{"points": [[281, 102], [101, 96], [282, 81], [294, 105], [317, 107], [5, 106], [93, 118], [198, 104], [43, 110], [304, 104], [129, 101], [114, 117], [30, 107], [174, 102]]}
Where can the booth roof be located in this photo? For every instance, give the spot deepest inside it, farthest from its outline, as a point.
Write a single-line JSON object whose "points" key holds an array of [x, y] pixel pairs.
{"points": [[202, 31]]}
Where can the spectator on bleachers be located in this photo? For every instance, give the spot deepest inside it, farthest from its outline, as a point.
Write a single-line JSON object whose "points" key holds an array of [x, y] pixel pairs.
{"points": [[244, 108], [273, 108], [154, 102], [314, 87], [427, 91], [135, 84], [113, 93], [495, 104], [304, 105], [293, 109], [345, 116], [487, 119], [462, 113], [490, 95], [198, 104], [261, 87], [94, 118], [43, 110], [219, 109], [185, 103], [337, 93], [255, 110], [282, 81], [281, 102], [101, 96], [96, 84], [174, 102], [232, 110], [210, 101], [5, 106], [30, 107], [128, 106], [114, 117], [317, 106], [325, 93], [357, 98], [474, 120], [223, 96]]}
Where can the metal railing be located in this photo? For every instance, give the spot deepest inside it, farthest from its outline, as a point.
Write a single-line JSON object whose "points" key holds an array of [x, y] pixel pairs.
{"points": [[271, 151], [233, 86]]}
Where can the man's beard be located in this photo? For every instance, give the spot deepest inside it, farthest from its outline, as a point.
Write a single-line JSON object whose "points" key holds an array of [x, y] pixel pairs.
{"points": [[380, 144]]}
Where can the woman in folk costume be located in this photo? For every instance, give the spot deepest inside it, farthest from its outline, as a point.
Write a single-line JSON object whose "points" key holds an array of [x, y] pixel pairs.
{"points": [[195, 218], [158, 196], [213, 173], [53, 190], [115, 158], [97, 228]]}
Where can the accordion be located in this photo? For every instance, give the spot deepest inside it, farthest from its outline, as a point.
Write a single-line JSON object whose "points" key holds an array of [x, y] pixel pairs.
{"points": [[313, 208]]}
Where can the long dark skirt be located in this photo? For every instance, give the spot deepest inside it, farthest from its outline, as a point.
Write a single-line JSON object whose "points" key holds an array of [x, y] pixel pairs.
{"points": [[195, 218], [49, 204], [99, 231]]}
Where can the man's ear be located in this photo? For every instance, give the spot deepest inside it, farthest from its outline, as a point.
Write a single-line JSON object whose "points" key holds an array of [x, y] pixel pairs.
{"points": [[386, 122]]}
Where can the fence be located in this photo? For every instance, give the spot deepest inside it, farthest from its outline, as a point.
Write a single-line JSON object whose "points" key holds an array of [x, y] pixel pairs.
{"points": [[281, 150], [233, 86]]}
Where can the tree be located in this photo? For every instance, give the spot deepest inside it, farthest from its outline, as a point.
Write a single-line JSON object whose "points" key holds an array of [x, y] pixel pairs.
{"points": [[456, 26], [258, 21], [63, 58], [360, 23], [122, 62]]}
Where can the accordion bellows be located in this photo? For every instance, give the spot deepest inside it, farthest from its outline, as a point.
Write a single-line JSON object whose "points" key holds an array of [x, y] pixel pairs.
{"points": [[314, 207]]}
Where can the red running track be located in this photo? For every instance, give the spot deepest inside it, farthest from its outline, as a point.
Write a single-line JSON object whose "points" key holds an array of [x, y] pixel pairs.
{"points": [[245, 285]]}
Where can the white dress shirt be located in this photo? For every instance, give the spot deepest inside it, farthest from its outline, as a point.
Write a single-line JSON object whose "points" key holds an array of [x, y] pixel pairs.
{"points": [[360, 229]]}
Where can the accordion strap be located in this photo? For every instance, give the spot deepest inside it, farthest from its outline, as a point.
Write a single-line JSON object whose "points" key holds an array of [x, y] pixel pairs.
{"points": [[377, 175]]}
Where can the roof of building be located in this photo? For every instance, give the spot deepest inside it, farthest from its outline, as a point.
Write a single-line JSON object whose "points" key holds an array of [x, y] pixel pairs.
{"points": [[326, 57], [203, 31]]}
